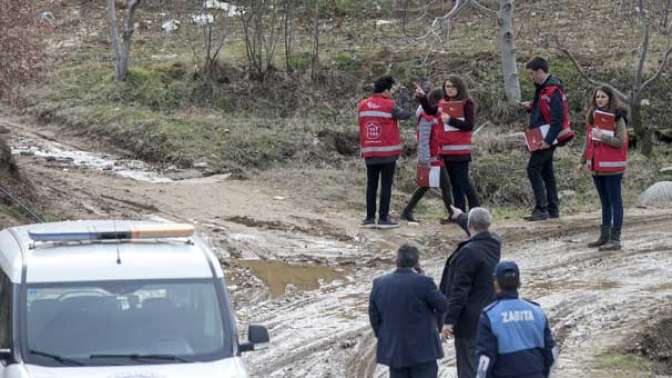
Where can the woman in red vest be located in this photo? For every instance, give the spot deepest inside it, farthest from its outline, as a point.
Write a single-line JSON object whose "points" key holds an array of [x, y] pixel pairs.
{"points": [[455, 138], [606, 155]]}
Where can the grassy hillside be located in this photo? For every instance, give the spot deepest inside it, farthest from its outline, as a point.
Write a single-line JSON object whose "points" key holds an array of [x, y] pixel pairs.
{"points": [[168, 112]]}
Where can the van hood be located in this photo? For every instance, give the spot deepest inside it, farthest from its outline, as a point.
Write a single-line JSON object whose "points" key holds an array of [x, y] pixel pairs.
{"points": [[227, 368]]}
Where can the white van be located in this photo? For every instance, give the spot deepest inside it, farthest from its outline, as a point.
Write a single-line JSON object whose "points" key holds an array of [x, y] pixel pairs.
{"points": [[115, 299]]}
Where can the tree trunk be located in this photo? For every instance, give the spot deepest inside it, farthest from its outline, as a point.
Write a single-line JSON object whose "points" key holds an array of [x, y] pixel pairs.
{"points": [[121, 52], [508, 51], [315, 66], [114, 34], [643, 133]]}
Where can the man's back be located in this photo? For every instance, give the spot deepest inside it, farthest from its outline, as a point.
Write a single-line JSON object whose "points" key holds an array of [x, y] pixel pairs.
{"points": [[514, 340], [467, 281], [403, 308]]}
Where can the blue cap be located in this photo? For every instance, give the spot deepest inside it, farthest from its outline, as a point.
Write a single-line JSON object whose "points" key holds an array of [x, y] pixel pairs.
{"points": [[507, 269]]}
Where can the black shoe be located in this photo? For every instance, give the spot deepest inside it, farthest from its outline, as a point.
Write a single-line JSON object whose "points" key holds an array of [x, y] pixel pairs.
{"points": [[387, 223], [603, 239], [368, 223], [614, 243], [408, 216], [537, 215], [554, 214]]}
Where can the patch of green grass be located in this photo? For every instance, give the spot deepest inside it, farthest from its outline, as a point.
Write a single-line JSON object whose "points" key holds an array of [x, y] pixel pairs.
{"points": [[620, 365]]}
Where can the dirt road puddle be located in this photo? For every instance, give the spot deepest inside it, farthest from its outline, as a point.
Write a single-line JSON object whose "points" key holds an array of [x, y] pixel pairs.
{"points": [[277, 275]]}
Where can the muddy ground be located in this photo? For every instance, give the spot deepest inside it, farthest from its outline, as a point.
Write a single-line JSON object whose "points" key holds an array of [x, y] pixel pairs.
{"points": [[304, 269]]}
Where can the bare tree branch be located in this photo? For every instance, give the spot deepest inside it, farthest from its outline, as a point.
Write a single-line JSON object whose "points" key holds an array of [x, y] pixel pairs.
{"points": [[453, 12], [481, 7], [663, 63], [623, 97]]}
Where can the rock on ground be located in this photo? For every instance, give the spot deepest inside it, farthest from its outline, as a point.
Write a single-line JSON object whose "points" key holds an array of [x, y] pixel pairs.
{"points": [[658, 195]]}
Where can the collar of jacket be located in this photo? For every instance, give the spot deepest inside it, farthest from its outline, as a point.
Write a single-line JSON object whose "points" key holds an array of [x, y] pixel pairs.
{"points": [[508, 294], [382, 95], [480, 236], [404, 270]]}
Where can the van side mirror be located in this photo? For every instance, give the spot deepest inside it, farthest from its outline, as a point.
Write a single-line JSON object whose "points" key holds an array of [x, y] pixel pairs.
{"points": [[255, 335], [6, 354]]}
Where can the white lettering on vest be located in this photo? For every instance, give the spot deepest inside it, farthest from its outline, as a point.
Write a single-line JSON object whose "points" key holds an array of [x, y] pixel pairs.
{"points": [[517, 316]]}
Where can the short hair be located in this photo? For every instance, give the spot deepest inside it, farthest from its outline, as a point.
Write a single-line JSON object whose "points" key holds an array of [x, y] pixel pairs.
{"points": [[480, 219], [383, 84], [407, 256], [537, 63]]}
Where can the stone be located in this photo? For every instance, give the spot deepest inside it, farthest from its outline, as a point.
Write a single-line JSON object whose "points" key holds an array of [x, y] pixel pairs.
{"points": [[659, 195]]}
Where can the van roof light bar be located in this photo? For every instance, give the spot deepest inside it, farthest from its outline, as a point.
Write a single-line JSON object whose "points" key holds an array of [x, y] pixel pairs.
{"points": [[159, 231]]}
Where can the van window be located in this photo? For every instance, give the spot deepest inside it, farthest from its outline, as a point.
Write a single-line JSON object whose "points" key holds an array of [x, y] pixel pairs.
{"points": [[5, 310], [114, 322]]}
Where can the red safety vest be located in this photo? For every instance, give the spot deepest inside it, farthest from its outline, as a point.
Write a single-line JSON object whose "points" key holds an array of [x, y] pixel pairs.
{"points": [[603, 157], [566, 134], [434, 146], [453, 141], [378, 130]]}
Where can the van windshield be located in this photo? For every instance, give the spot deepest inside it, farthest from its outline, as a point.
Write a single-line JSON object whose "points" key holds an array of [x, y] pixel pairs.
{"points": [[130, 322]]}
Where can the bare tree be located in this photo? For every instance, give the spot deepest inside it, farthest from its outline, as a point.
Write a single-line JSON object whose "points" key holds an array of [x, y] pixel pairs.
{"points": [[261, 27], [21, 48], [506, 38], [288, 29], [315, 62], [214, 24], [633, 96], [122, 51], [508, 51]]}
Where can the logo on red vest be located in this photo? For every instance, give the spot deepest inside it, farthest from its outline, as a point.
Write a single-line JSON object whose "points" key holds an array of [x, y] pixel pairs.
{"points": [[373, 131]]}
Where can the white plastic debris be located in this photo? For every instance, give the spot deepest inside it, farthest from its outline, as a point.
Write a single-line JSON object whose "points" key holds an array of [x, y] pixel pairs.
{"points": [[202, 19], [170, 26]]}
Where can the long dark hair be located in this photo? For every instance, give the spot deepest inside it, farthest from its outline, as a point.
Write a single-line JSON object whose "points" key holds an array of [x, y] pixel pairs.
{"points": [[462, 92], [613, 107]]}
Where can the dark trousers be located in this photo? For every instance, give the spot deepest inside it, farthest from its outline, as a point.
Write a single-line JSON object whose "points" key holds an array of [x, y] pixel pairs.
{"points": [[465, 354], [445, 193], [427, 370], [542, 177], [384, 173], [609, 189], [462, 187]]}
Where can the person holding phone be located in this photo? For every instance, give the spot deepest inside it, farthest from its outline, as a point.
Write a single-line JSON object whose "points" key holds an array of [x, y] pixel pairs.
{"points": [[455, 138], [606, 155]]}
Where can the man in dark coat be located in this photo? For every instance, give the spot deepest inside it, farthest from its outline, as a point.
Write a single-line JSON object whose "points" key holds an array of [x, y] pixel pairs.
{"points": [[403, 308], [467, 283]]}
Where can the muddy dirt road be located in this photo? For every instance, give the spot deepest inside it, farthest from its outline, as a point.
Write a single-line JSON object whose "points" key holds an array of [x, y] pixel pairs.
{"points": [[304, 270]]}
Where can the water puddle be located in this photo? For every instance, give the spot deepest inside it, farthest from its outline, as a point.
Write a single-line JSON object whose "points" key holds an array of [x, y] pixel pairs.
{"points": [[56, 152], [277, 275]]}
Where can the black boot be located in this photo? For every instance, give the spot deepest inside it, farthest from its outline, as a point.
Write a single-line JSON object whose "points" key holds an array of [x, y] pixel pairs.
{"points": [[614, 243], [604, 237], [407, 214]]}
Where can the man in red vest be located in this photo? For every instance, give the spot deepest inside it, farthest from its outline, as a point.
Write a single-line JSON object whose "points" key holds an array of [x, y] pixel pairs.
{"points": [[549, 111], [380, 143]]}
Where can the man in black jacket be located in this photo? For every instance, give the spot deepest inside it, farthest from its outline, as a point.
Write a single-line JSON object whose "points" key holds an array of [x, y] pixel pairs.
{"points": [[467, 283], [547, 112], [403, 308]]}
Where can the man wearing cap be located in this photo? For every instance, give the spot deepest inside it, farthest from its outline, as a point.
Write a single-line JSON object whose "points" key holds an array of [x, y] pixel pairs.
{"points": [[514, 339], [467, 283]]}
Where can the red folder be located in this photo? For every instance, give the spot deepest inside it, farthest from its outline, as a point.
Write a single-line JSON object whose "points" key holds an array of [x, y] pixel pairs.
{"points": [[534, 139], [455, 109], [428, 176], [603, 120]]}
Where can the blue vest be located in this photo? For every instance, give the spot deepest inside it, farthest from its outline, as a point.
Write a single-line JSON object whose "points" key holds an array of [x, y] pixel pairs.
{"points": [[518, 325]]}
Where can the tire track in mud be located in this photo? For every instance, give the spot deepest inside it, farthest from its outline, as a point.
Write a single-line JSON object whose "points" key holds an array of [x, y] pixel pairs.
{"points": [[578, 310]]}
